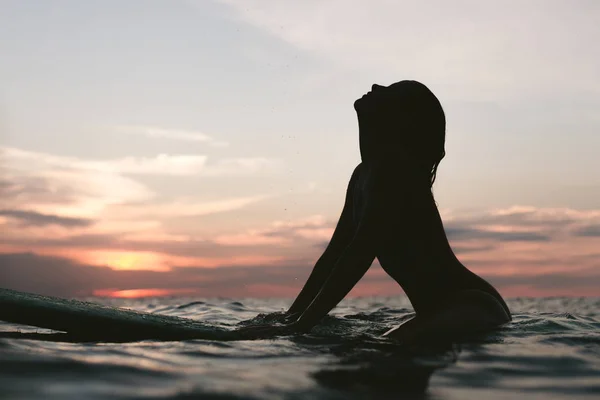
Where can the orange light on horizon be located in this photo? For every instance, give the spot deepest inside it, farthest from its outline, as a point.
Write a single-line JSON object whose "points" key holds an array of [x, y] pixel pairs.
{"points": [[127, 260], [138, 293]]}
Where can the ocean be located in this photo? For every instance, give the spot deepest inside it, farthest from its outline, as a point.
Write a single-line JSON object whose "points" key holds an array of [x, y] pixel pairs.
{"points": [[551, 350]]}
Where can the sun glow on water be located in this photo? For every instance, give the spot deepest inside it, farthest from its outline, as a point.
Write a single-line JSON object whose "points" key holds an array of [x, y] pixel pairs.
{"points": [[139, 293]]}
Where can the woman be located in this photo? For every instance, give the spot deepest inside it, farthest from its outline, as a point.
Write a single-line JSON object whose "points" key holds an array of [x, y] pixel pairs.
{"points": [[390, 213]]}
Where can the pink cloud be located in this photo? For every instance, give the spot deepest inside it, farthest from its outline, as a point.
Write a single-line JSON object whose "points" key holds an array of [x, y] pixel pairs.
{"points": [[53, 216]]}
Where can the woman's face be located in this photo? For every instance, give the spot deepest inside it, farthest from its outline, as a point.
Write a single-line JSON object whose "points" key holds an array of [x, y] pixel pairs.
{"points": [[374, 110], [398, 119], [383, 119], [381, 99], [372, 101]]}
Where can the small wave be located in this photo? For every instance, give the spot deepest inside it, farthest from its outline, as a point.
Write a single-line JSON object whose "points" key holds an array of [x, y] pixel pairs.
{"points": [[550, 350], [192, 304]]}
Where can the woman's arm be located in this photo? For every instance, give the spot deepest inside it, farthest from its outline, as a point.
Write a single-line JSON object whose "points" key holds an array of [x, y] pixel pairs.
{"points": [[348, 270], [343, 273], [380, 213], [341, 238]]}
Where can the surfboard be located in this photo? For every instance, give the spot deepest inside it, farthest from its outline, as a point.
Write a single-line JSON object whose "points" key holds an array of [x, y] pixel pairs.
{"points": [[85, 321]]}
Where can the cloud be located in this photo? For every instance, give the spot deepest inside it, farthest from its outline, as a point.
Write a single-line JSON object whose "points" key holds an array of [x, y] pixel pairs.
{"points": [[184, 207], [59, 276], [461, 233], [298, 232], [522, 223], [161, 164], [34, 218], [19, 188], [471, 249], [587, 278], [479, 56], [63, 205], [529, 216], [138, 235], [279, 243], [76, 188], [589, 231], [212, 250], [242, 166], [71, 213], [57, 185], [171, 134], [476, 238], [63, 277]]}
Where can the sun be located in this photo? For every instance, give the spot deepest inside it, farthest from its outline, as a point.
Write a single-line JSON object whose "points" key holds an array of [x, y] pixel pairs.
{"points": [[128, 260]]}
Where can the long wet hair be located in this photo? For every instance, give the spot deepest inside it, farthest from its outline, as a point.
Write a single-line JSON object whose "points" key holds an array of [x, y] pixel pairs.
{"points": [[410, 117]]}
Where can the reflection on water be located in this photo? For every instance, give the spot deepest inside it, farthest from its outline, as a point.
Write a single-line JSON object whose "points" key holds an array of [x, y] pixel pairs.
{"points": [[550, 351]]}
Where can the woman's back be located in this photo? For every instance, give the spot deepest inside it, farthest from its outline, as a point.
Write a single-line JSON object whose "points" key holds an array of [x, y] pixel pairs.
{"points": [[413, 247]]}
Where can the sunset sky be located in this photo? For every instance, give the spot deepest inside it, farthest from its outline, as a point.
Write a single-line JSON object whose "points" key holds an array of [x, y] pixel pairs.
{"points": [[203, 147]]}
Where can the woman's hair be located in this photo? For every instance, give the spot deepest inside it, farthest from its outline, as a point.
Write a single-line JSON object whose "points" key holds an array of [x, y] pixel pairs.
{"points": [[419, 112]]}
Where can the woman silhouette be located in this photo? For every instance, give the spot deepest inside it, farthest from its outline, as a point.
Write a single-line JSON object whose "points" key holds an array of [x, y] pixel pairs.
{"points": [[390, 213]]}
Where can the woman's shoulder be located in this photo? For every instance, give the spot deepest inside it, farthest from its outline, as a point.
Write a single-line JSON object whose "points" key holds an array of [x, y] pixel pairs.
{"points": [[357, 170], [356, 175]]}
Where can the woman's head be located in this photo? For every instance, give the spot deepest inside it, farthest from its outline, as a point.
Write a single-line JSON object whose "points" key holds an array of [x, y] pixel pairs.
{"points": [[400, 120]]}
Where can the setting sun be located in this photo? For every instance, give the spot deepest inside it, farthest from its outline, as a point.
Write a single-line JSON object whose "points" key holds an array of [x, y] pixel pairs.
{"points": [[128, 260]]}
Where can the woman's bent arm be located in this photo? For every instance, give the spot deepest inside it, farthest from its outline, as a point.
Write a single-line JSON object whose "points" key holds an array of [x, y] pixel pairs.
{"points": [[341, 238], [371, 234], [348, 270]]}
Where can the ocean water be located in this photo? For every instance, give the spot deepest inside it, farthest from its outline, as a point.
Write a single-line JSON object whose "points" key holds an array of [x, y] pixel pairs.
{"points": [[551, 350]]}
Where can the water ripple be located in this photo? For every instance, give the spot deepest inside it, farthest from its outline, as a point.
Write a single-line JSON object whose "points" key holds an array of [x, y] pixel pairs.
{"points": [[551, 350]]}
